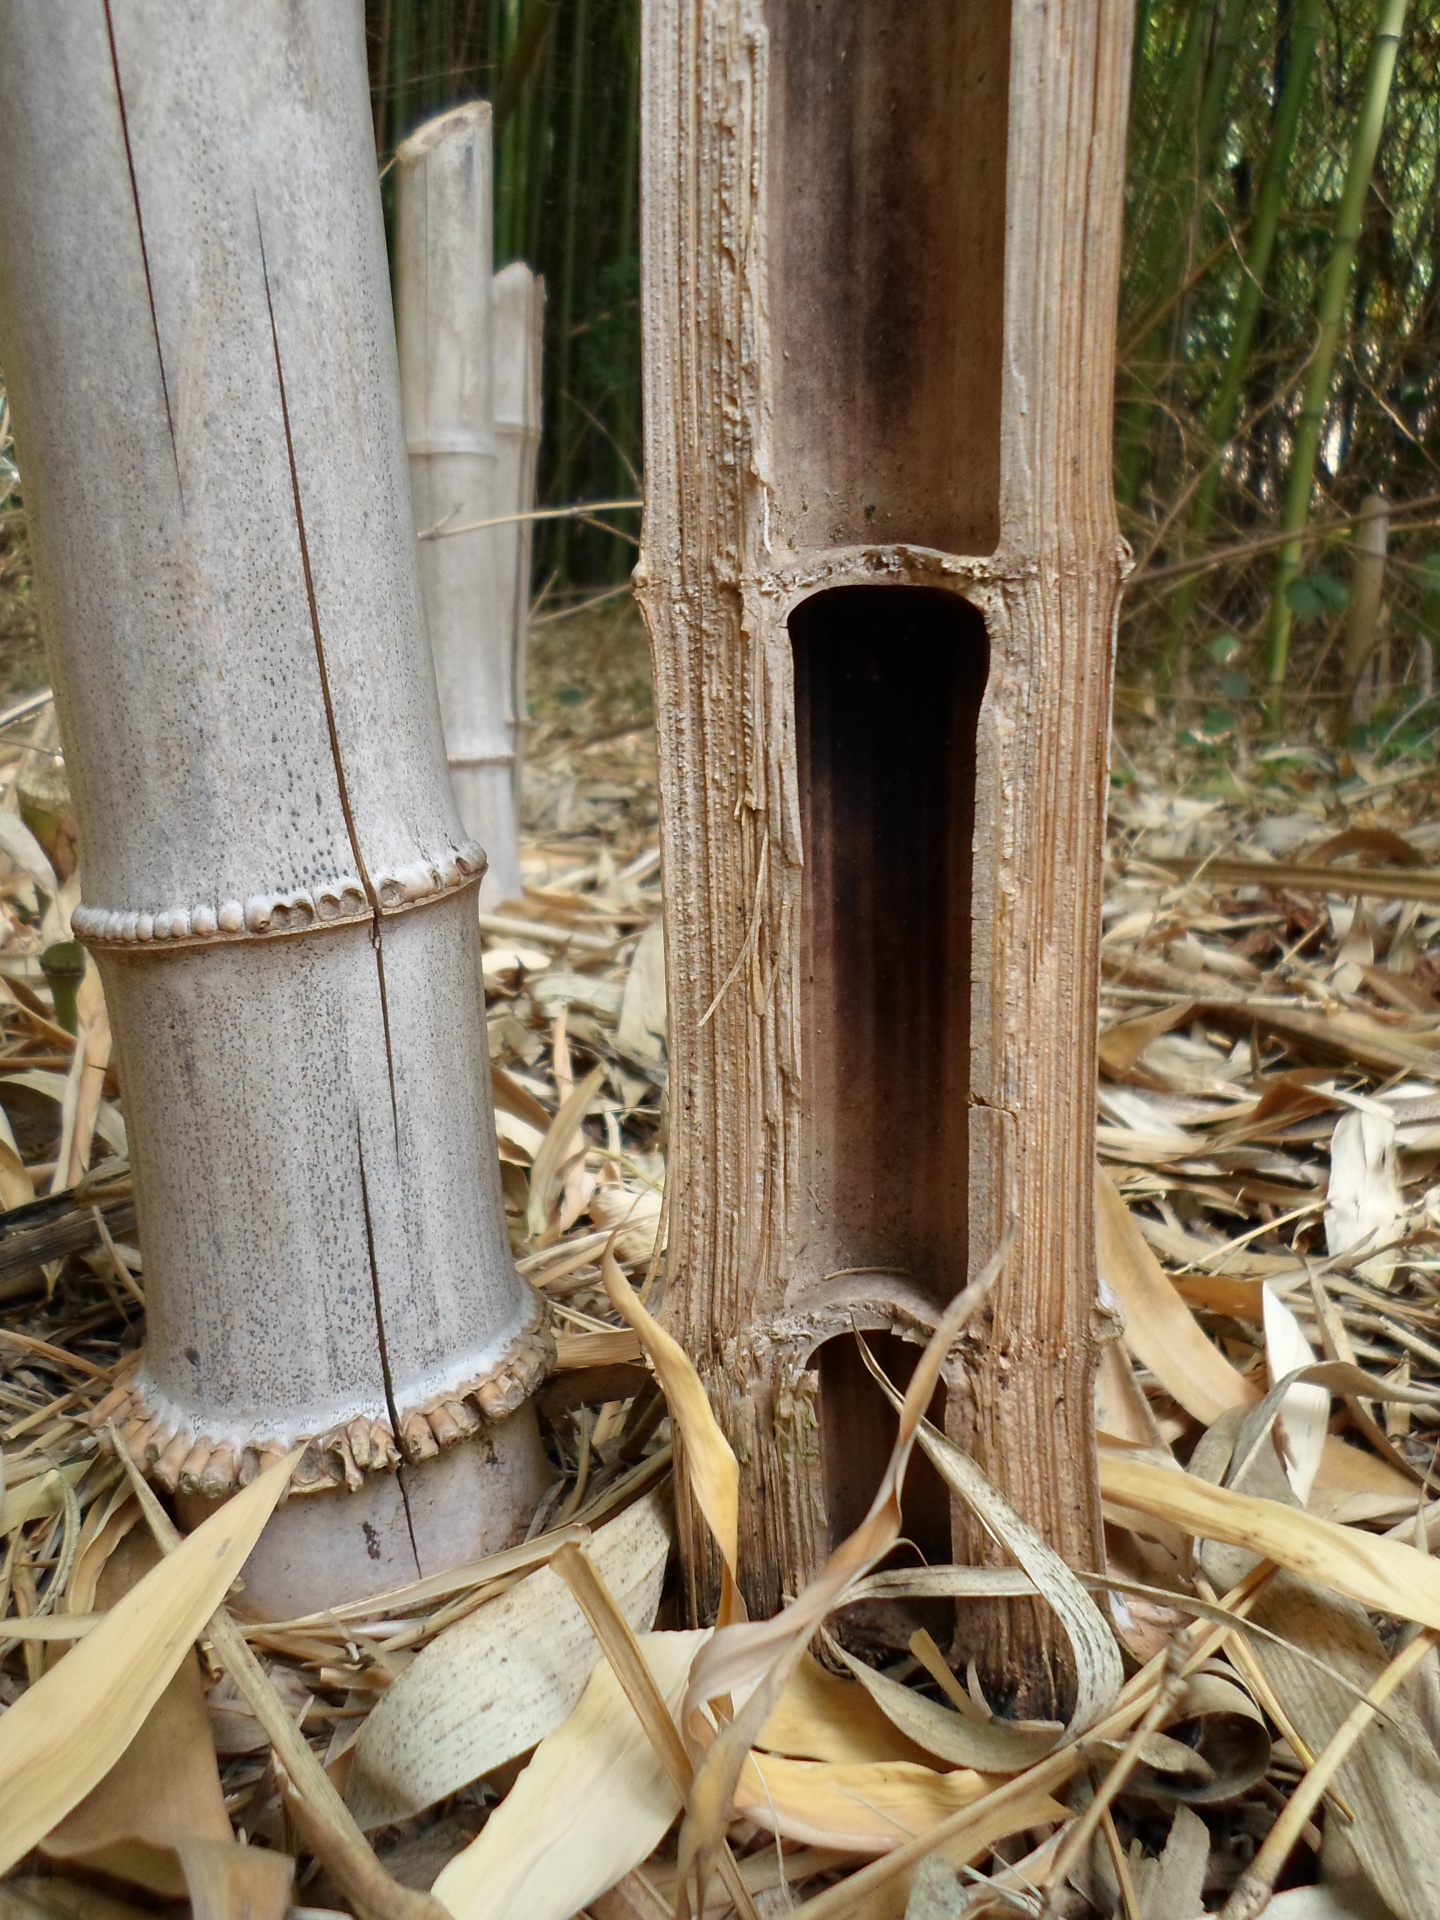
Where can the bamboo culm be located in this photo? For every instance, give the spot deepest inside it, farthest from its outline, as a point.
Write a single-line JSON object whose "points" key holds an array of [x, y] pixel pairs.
{"points": [[475, 605], [1305, 453], [878, 458], [195, 324]]}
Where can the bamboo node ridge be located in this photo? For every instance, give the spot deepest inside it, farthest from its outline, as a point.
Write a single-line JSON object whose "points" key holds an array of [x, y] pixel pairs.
{"points": [[174, 1449], [339, 902]]}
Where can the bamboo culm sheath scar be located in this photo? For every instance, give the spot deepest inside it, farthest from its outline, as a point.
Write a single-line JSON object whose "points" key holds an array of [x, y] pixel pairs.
{"points": [[881, 570], [196, 331]]}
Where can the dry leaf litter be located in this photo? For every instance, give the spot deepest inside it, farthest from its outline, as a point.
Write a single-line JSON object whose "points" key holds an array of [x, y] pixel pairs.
{"points": [[1257, 1701]]}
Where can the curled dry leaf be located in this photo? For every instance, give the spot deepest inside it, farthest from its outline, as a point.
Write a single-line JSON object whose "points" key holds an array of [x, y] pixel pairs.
{"points": [[764, 1654], [68, 1730], [488, 1688], [1098, 1668]]}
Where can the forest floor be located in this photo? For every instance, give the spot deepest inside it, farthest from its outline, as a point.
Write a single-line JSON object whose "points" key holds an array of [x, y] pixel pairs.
{"points": [[1269, 1251]]}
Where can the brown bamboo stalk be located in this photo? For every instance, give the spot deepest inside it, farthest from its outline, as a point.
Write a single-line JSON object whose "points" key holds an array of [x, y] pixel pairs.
{"points": [[881, 570], [1362, 616], [195, 327]]}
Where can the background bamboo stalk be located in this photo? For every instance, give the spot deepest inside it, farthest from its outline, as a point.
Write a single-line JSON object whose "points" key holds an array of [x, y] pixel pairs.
{"points": [[1224, 410], [1362, 616], [1320, 377], [195, 324], [446, 326]]}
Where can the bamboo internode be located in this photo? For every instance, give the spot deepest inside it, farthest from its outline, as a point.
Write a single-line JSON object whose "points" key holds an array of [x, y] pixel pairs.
{"points": [[195, 328]]}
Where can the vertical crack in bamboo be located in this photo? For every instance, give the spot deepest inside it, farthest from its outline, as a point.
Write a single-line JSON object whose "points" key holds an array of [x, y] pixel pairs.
{"points": [[140, 233]]}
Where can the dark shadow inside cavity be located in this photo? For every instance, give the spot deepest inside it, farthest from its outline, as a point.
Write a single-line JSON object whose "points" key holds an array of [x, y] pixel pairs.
{"points": [[857, 1434], [888, 686]]}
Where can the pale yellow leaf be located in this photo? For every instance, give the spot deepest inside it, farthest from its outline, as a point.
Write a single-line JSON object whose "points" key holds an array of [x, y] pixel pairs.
{"points": [[593, 1803], [1378, 1572], [711, 1468], [68, 1730]]}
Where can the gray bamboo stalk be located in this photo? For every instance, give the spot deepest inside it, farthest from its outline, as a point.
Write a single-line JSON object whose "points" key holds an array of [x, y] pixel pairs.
{"points": [[444, 313], [881, 572], [1365, 144], [195, 324], [1362, 617], [1224, 411], [517, 334]]}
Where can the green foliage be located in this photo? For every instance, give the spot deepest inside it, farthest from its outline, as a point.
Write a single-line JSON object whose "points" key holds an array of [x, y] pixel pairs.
{"points": [[1220, 326]]}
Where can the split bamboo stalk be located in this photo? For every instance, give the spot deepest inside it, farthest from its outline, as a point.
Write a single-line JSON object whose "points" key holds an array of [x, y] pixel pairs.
{"points": [[195, 326], [881, 571], [443, 304]]}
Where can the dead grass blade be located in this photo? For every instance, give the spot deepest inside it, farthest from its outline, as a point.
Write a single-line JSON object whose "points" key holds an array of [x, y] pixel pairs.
{"points": [[1098, 1667]]}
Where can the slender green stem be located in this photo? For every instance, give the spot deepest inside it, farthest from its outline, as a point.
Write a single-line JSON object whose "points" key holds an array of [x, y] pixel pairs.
{"points": [[1320, 379]]}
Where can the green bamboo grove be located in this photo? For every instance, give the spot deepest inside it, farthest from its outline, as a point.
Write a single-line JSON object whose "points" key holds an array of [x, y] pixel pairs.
{"points": [[1280, 323]]}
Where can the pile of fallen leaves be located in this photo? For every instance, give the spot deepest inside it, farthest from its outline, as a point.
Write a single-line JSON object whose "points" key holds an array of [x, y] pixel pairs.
{"points": [[537, 1735]]}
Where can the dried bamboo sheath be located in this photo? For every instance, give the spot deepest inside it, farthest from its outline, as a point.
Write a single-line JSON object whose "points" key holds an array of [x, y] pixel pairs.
{"points": [[195, 328], [881, 571]]}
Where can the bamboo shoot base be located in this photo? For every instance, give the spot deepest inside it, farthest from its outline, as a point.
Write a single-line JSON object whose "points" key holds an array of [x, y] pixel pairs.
{"points": [[425, 1518]]}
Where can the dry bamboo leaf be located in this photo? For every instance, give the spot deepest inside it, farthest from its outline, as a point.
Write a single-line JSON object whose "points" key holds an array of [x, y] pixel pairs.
{"points": [[819, 1716], [942, 1734], [495, 1683], [1364, 1206], [163, 1792], [68, 1730], [592, 1804], [37, 1499], [232, 1882], [1390, 1780], [1304, 1412], [711, 1469], [1171, 1887], [557, 1147], [1376, 1571], [1122, 1044], [766, 1652], [1098, 1668], [1159, 1328], [869, 1809]]}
